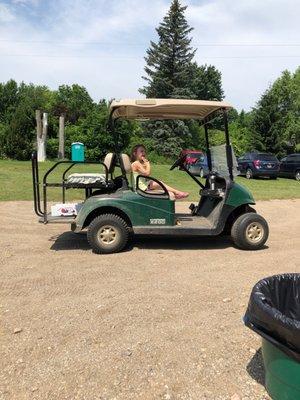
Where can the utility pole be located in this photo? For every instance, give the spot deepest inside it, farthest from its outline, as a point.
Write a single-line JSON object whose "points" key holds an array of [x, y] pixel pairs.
{"points": [[41, 133], [61, 137]]}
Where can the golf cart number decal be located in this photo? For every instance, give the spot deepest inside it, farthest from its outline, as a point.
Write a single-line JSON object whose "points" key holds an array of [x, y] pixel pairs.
{"points": [[157, 221]]}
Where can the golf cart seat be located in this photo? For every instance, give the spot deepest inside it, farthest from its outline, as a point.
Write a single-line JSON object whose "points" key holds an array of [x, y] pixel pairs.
{"points": [[97, 179]]}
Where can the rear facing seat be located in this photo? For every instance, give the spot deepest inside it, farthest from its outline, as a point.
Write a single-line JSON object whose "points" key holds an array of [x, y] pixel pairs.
{"points": [[96, 179]]}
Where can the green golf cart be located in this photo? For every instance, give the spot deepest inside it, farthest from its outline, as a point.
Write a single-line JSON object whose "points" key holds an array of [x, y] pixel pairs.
{"points": [[116, 207]]}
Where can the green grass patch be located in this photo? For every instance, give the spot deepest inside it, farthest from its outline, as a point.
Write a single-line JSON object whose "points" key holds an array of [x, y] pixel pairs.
{"points": [[16, 182]]}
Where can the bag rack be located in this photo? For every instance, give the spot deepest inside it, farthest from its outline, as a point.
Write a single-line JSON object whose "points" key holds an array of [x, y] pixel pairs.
{"points": [[40, 203]]}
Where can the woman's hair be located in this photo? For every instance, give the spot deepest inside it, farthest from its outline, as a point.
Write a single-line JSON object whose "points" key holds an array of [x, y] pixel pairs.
{"points": [[134, 150]]}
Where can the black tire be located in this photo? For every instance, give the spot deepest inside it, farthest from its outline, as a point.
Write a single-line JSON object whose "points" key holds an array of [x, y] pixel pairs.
{"points": [[249, 173], [273, 178], [297, 175], [108, 233], [250, 231]]}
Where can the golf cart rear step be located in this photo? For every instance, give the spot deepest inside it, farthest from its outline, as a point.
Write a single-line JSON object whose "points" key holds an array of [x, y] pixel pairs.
{"points": [[57, 220]]}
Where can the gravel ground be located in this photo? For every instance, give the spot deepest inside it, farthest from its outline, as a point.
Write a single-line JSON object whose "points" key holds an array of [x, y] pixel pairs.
{"points": [[162, 320]]}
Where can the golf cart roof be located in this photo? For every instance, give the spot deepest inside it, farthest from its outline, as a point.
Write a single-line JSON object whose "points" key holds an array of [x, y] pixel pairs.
{"points": [[165, 108]]}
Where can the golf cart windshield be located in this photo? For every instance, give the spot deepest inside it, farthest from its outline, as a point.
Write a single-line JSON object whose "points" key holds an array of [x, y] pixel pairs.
{"points": [[219, 161]]}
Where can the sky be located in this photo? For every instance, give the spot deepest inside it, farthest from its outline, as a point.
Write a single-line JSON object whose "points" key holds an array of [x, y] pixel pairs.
{"points": [[101, 44]]}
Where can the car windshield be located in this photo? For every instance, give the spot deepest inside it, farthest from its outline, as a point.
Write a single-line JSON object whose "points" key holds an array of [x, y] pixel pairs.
{"points": [[219, 161], [266, 157]]}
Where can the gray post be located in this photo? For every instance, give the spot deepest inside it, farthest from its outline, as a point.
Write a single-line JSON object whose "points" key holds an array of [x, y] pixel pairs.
{"points": [[61, 137], [41, 134]]}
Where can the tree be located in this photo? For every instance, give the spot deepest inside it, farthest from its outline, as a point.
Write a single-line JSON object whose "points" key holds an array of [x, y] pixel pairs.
{"points": [[205, 82], [169, 60], [275, 124], [73, 101]]}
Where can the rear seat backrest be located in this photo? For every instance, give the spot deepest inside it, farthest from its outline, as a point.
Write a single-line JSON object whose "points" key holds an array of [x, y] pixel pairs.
{"points": [[110, 161], [126, 166]]}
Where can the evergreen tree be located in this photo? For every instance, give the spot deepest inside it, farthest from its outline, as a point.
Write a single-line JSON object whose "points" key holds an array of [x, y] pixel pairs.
{"points": [[169, 60]]}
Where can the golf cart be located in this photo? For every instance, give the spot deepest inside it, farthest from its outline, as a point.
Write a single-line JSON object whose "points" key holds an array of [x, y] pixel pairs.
{"points": [[115, 208]]}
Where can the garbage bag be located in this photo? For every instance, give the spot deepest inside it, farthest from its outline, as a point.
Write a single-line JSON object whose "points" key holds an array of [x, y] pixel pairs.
{"points": [[274, 312]]}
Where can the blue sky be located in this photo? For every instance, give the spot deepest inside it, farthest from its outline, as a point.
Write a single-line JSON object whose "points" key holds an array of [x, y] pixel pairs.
{"points": [[101, 44]]}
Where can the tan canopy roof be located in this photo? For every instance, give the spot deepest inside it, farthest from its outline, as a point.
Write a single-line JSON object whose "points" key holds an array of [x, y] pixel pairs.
{"points": [[165, 108]]}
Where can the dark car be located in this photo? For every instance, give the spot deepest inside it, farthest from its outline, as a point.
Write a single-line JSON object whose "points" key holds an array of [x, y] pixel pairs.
{"points": [[257, 164], [191, 156], [290, 166], [200, 167]]}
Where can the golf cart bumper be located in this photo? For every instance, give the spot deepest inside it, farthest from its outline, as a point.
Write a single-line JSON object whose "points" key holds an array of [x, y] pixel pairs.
{"points": [[75, 227]]}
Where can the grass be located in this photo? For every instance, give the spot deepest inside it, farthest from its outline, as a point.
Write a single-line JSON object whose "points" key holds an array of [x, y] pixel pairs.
{"points": [[16, 182]]}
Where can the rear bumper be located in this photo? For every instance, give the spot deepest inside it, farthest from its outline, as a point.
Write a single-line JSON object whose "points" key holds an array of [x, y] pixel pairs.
{"points": [[265, 172]]}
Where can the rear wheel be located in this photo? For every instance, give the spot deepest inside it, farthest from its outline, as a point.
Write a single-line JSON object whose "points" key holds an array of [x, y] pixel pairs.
{"points": [[249, 173], [108, 233], [297, 175], [250, 231]]}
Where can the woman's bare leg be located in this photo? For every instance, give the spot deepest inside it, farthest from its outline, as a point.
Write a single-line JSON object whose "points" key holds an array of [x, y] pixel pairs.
{"points": [[177, 193]]}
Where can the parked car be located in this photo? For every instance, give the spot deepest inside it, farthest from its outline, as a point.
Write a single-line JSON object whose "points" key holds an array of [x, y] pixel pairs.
{"points": [[257, 164], [290, 166], [200, 167], [191, 156]]}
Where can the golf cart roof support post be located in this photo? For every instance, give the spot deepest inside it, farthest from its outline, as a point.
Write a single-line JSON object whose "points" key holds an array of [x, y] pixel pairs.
{"points": [[192, 176], [208, 155], [112, 129], [228, 145]]}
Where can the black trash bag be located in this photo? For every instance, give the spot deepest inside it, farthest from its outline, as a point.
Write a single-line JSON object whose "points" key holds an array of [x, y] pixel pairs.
{"points": [[274, 312]]}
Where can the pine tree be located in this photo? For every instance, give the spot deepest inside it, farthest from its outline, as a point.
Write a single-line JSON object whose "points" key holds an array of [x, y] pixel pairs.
{"points": [[169, 60]]}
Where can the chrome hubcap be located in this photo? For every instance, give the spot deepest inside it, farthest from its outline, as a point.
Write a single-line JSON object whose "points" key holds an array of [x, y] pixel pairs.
{"points": [[248, 174], [107, 234], [255, 232], [298, 176]]}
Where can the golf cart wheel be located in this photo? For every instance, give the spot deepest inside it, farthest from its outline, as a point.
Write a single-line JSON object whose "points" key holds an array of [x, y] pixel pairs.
{"points": [[297, 176], [201, 173], [108, 233], [249, 173], [250, 231]]}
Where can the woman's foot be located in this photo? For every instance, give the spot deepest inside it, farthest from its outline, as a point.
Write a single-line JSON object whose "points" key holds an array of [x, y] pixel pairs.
{"points": [[181, 195]]}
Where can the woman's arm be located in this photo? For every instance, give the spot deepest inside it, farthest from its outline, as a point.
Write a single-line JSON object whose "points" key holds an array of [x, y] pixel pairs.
{"points": [[143, 168]]}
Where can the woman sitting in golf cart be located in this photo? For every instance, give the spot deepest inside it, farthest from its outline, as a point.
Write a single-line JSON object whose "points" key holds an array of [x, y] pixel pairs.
{"points": [[141, 166]]}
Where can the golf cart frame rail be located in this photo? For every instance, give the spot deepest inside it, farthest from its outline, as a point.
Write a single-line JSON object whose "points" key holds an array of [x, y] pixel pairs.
{"points": [[42, 211]]}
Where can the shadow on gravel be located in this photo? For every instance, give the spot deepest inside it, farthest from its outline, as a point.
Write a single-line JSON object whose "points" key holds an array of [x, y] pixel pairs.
{"points": [[181, 243], [78, 241], [256, 369], [70, 241]]}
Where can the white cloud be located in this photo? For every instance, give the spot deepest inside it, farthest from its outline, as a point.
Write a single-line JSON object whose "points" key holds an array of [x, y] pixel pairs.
{"points": [[101, 44], [5, 14]]}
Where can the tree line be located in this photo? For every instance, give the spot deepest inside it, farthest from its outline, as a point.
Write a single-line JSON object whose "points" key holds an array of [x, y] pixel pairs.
{"points": [[273, 125]]}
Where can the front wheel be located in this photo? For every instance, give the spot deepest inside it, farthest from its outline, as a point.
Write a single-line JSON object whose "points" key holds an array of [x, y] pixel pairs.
{"points": [[297, 176], [250, 231], [249, 173], [201, 173], [108, 233]]}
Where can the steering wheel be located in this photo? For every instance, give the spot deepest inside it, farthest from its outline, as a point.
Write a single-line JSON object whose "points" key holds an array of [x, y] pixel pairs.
{"points": [[178, 162]]}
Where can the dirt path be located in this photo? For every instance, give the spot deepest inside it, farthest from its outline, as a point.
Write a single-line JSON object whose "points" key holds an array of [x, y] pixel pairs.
{"points": [[161, 321]]}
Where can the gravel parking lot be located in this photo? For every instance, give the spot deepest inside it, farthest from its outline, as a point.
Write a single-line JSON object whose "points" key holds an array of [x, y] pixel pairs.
{"points": [[162, 320]]}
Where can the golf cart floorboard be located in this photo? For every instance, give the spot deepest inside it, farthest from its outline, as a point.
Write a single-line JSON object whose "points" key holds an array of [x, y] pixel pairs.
{"points": [[187, 225], [189, 221]]}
